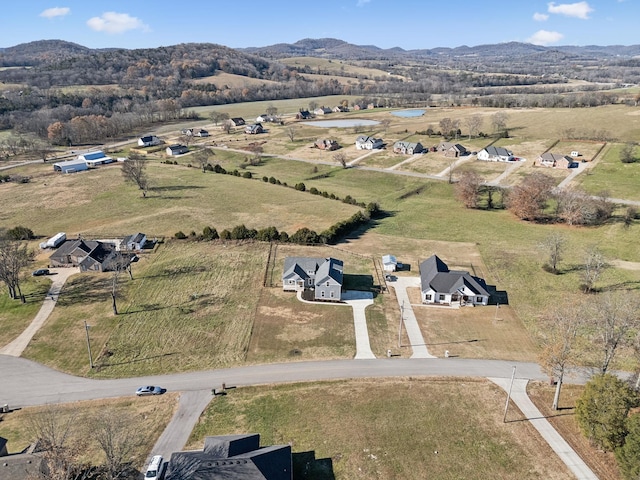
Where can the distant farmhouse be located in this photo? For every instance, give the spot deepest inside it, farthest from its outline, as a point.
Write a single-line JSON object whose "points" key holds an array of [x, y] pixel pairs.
{"points": [[326, 144], [439, 285], [254, 129], [236, 121], [554, 160], [94, 159], [407, 148], [495, 154], [322, 275], [149, 141], [83, 162], [451, 149], [232, 457], [364, 142], [176, 149]]}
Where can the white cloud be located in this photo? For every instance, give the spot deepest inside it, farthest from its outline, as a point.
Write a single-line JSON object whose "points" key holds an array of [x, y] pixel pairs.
{"points": [[544, 37], [577, 10], [540, 17], [55, 12], [112, 22], [362, 3]]}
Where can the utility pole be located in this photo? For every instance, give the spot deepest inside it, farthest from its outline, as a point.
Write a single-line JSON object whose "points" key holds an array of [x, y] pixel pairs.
{"points": [[506, 406], [86, 329]]}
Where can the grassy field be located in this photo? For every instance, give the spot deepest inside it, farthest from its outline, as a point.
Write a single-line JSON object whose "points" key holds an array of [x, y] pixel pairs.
{"points": [[149, 416], [387, 429], [621, 180]]}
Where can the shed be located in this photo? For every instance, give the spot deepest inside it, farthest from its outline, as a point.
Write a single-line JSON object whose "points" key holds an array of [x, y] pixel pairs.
{"points": [[389, 263], [70, 166]]}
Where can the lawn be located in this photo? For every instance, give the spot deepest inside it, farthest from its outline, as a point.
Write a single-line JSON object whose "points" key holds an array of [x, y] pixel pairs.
{"points": [[382, 429], [148, 417], [16, 316], [620, 180]]}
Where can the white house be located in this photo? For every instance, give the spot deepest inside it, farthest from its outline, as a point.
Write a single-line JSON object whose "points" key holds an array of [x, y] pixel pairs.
{"points": [[176, 149], [439, 285], [96, 158], [389, 263], [364, 142], [70, 166], [133, 242], [149, 141], [495, 154]]}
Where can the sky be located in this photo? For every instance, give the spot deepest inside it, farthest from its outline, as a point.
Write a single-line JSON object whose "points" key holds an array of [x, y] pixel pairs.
{"points": [[409, 24]]}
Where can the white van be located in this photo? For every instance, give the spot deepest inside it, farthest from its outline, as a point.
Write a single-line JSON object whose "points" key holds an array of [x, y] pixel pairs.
{"points": [[155, 467]]}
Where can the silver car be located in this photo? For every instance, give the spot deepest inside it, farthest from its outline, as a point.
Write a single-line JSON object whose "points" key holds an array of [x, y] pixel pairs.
{"points": [[150, 390]]}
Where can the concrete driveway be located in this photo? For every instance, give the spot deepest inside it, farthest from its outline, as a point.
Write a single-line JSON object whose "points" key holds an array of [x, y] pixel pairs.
{"points": [[359, 301], [58, 278]]}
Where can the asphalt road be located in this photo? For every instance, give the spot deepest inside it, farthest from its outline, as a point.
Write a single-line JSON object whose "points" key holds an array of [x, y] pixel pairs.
{"points": [[26, 383]]}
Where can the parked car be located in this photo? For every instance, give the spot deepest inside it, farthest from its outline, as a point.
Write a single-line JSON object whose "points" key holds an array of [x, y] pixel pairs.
{"points": [[154, 470], [40, 272], [150, 390]]}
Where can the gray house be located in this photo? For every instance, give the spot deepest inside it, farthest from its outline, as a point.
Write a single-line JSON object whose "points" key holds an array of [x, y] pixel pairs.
{"points": [[176, 149], [439, 285], [133, 242], [88, 255], [408, 148], [232, 457], [19, 466], [364, 142], [322, 275]]}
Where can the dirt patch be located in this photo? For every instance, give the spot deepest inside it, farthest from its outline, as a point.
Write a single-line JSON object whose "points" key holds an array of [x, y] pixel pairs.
{"points": [[634, 266]]}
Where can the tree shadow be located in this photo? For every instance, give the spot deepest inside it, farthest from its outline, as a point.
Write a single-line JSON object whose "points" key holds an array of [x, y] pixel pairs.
{"points": [[363, 283], [307, 467], [497, 297], [85, 289]]}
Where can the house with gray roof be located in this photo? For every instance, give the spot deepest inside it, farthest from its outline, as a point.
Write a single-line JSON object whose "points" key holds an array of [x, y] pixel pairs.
{"points": [[452, 149], [363, 142], [133, 242], [407, 148], [554, 160], [495, 154], [149, 141], [322, 275], [176, 149], [439, 285], [87, 255], [232, 457], [28, 463]]}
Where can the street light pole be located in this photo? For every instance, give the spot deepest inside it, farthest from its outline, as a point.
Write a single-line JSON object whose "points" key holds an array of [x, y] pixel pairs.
{"points": [[86, 329]]}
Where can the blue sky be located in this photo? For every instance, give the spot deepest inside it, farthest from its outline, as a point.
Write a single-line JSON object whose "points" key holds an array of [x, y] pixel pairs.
{"points": [[408, 24]]}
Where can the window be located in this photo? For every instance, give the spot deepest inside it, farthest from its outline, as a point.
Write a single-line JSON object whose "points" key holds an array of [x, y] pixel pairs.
{"points": [[427, 297], [441, 298], [327, 284], [322, 294], [479, 299], [291, 281], [331, 294]]}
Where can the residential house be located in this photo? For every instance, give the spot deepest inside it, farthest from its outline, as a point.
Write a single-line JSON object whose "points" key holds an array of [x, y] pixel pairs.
{"points": [[254, 129], [187, 131], [364, 142], [237, 121], [322, 111], [340, 109], [20, 466], [232, 457], [303, 115], [407, 148], [96, 158], [201, 132], [133, 242], [449, 149], [439, 285], [149, 141], [359, 106], [322, 275], [88, 255], [267, 118], [390, 263], [70, 166], [554, 160], [495, 154], [176, 149], [326, 144]]}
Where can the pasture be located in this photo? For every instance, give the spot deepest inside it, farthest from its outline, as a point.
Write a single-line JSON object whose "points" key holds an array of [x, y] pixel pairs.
{"points": [[395, 428]]}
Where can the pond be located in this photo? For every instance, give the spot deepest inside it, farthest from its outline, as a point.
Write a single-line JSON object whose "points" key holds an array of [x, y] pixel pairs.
{"points": [[408, 113], [341, 123]]}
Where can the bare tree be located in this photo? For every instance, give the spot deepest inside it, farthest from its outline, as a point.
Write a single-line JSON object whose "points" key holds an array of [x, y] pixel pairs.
{"points": [[226, 127], [14, 257], [385, 125], [613, 317], [118, 264], [257, 151], [134, 170], [528, 199], [559, 335], [202, 157], [473, 124], [217, 117], [499, 121], [115, 433], [449, 127], [271, 110], [468, 188], [341, 158], [291, 132], [594, 265], [554, 244], [313, 105]]}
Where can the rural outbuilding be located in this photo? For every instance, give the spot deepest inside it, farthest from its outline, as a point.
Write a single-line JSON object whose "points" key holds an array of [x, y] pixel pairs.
{"points": [[390, 263], [96, 158], [70, 166]]}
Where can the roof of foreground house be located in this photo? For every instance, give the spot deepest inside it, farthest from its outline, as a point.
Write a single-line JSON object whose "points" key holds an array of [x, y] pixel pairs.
{"points": [[435, 275]]}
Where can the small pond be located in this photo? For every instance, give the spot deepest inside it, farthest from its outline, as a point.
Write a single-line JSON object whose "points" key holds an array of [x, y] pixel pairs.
{"points": [[341, 123], [408, 113]]}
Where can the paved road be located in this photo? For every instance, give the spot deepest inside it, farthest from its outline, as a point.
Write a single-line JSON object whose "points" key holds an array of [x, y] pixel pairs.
{"points": [[58, 276], [27, 383]]}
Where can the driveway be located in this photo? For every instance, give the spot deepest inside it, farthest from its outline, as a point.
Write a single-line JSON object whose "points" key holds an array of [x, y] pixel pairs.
{"points": [[359, 301], [409, 321], [58, 277]]}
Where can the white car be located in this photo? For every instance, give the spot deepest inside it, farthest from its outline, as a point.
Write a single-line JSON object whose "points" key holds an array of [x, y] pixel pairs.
{"points": [[150, 390]]}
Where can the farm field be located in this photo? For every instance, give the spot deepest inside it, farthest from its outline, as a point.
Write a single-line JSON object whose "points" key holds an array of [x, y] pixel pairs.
{"points": [[396, 428]]}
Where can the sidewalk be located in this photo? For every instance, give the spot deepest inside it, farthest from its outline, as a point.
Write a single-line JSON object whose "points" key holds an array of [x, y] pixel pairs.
{"points": [[546, 430]]}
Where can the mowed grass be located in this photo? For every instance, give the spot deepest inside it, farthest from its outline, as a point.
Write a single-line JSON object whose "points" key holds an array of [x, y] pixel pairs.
{"points": [[15, 316], [189, 307], [621, 180], [402, 428], [149, 417]]}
